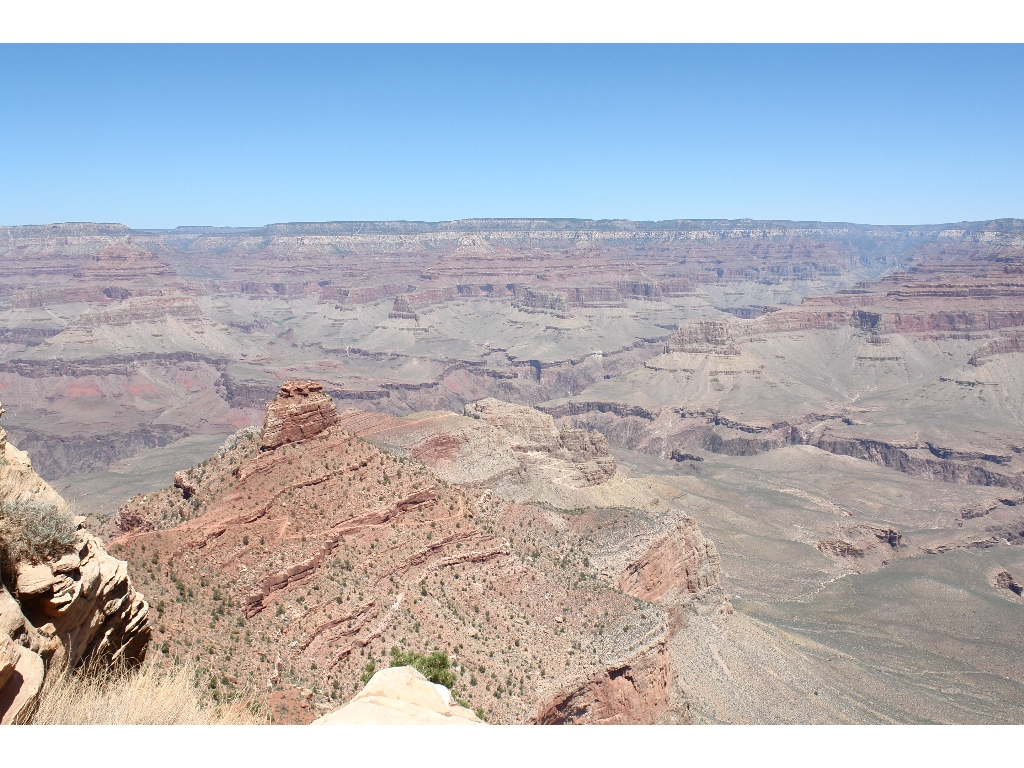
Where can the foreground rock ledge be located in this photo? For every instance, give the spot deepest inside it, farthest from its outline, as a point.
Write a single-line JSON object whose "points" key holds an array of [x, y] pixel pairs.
{"points": [[69, 610], [400, 696]]}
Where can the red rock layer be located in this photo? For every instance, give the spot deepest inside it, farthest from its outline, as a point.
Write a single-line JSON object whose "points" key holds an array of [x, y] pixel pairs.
{"points": [[628, 694], [300, 411], [682, 562]]}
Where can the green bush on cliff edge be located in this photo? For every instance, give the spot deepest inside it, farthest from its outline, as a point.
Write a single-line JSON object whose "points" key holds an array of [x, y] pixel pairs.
{"points": [[436, 667]]}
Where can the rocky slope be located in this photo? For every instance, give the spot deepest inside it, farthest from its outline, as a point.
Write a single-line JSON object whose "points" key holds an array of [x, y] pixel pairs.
{"points": [[298, 567]]}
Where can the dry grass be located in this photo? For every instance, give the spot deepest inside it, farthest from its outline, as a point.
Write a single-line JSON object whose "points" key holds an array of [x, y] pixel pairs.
{"points": [[148, 695]]}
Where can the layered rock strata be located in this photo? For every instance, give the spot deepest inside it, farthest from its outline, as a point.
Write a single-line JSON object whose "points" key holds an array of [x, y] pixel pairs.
{"points": [[677, 566], [531, 431], [633, 692], [660, 558], [300, 411], [702, 337], [329, 551]]}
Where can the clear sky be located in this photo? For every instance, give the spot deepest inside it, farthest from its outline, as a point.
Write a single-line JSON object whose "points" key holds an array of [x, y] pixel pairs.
{"points": [[161, 136]]}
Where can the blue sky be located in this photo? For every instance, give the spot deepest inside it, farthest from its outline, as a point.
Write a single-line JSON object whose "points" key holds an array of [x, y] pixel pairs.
{"points": [[161, 136]]}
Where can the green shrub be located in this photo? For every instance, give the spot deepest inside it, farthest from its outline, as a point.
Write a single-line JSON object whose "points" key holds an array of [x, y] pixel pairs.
{"points": [[35, 532], [436, 667]]}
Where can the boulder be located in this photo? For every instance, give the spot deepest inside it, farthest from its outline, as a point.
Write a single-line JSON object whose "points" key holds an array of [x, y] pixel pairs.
{"points": [[20, 694], [300, 411], [9, 656], [34, 579], [186, 483], [400, 696], [12, 621]]}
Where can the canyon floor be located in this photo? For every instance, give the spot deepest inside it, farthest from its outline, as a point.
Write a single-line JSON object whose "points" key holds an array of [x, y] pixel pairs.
{"points": [[788, 456]]}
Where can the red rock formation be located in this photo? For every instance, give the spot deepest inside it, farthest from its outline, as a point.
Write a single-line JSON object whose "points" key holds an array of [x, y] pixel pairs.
{"points": [[329, 551], [634, 692], [681, 564], [300, 411]]}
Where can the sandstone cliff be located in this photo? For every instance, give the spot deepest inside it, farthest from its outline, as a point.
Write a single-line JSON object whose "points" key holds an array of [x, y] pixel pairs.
{"points": [[18, 481], [400, 696], [63, 599]]}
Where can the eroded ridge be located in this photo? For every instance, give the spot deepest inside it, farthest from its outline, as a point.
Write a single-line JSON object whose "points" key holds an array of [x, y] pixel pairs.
{"points": [[328, 551]]}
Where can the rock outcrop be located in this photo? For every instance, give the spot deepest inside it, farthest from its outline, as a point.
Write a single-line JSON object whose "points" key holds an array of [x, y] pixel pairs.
{"points": [[401, 696], [73, 606], [863, 547], [532, 431], [9, 657], [300, 411], [677, 567], [1005, 580], [630, 693], [87, 600], [24, 672], [18, 481], [187, 484], [702, 337]]}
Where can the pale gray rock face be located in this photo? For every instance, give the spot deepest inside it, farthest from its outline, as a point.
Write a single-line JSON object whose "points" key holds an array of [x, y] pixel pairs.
{"points": [[702, 336], [529, 431]]}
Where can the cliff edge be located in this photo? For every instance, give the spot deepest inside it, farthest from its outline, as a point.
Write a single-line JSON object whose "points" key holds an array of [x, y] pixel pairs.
{"points": [[63, 598]]}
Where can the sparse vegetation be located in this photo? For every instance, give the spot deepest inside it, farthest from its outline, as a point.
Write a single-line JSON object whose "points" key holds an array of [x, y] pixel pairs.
{"points": [[436, 667], [147, 695], [32, 531]]}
